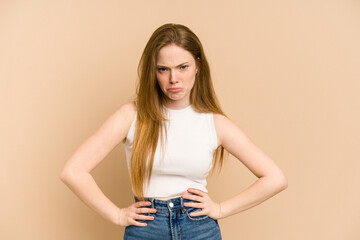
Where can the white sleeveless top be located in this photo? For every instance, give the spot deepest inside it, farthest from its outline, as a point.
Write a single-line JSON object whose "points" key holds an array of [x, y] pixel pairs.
{"points": [[187, 157]]}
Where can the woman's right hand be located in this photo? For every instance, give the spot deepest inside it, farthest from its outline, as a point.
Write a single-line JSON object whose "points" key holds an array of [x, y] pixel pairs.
{"points": [[128, 216]]}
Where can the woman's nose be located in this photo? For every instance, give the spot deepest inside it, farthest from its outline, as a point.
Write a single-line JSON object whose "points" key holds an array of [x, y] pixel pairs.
{"points": [[173, 78]]}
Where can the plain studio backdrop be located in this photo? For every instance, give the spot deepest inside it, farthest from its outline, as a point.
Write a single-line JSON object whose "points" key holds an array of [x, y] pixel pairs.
{"points": [[286, 72]]}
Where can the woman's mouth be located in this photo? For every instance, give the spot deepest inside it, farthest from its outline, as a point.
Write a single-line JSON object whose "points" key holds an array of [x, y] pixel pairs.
{"points": [[175, 90]]}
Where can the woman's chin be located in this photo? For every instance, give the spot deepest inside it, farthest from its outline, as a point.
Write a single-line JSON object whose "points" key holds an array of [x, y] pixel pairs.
{"points": [[175, 97]]}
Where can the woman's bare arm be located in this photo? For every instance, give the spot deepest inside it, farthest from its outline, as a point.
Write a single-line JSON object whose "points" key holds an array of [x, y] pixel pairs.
{"points": [[271, 179], [76, 172]]}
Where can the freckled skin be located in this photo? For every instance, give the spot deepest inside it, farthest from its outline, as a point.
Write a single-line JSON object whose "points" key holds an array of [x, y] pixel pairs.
{"points": [[170, 74]]}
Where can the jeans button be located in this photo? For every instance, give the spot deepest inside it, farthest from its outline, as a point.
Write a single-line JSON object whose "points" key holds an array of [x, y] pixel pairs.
{"points": [[171, 204]]}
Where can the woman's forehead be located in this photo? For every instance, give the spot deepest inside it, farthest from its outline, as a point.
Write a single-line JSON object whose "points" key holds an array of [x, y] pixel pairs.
{"points": [[173, 55]]}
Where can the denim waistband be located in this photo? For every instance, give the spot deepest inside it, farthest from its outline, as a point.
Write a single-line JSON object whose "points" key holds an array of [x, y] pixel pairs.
{"points": [[168, 205]]}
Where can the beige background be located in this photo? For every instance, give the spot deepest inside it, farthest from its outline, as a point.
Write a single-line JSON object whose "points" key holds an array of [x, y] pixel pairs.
{"points": [[287, 72]]}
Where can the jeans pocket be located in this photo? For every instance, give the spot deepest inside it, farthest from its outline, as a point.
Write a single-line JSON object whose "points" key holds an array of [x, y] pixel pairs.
{"points": [[190, 210]]}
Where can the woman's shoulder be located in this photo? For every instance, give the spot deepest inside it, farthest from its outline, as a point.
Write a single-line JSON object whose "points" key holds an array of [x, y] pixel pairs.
{"points": [[220, 122], [128, 108], [127, 112], [219, 118], [124, 117]]}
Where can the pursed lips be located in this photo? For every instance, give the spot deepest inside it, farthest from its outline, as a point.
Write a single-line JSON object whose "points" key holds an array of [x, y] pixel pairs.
{"points": [[175, 89]]}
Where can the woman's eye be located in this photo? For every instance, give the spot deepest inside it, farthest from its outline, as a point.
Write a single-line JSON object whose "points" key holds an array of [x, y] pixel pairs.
{"points": [[183, 67], [162, 69]]}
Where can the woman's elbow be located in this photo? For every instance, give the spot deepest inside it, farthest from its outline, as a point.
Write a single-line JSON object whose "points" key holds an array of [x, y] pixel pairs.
{"points": [[63, 176], [284, 184], [281, 183], [66, 174], [277, 182]]}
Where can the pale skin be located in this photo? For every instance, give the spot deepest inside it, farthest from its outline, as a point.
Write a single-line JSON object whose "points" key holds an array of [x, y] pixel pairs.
{"points": [[176, 68]]}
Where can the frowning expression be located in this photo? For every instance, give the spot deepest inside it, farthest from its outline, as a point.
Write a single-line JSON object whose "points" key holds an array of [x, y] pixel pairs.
{"points": [[175, 72]]}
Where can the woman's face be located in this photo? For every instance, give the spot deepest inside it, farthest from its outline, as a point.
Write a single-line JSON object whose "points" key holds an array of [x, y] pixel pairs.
{"points": [[175, 73]]}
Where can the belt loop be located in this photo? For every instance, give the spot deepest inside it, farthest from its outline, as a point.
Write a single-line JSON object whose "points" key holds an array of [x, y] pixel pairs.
{"points": [[182, 204], [152, 202]]}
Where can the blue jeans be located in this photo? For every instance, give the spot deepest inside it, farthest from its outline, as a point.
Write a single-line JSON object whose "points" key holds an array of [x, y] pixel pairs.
{"points": [[172, 221]]}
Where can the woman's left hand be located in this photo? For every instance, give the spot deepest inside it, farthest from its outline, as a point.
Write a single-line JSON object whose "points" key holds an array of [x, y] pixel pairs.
{"points": [[208, 207]]}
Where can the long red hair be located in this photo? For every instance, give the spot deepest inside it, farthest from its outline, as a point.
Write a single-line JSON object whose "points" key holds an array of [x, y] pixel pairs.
{"points": [[150, 99]]}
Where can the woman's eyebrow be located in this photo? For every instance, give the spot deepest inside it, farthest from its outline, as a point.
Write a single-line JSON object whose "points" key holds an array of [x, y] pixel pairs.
{"points": [[159, 65]]}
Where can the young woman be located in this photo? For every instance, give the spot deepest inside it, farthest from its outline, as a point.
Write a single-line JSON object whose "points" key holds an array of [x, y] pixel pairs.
{"points": [[174, 134]]}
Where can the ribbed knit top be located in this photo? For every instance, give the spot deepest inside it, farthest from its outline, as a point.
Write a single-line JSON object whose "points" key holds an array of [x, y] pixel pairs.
{"points": [[188, 152]]}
